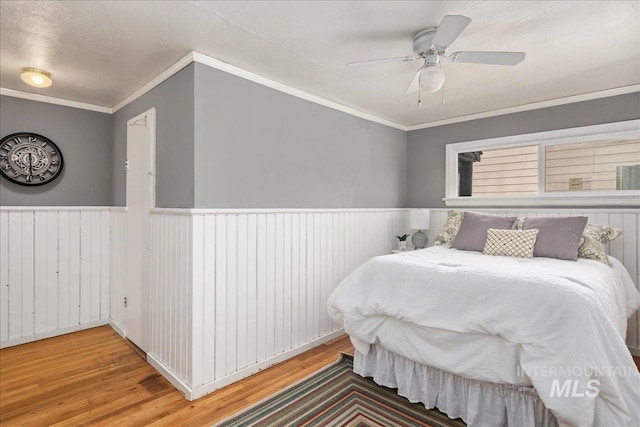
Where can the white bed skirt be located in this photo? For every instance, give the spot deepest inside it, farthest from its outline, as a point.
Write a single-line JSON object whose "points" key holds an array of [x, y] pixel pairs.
{"points": [[478, 403]]}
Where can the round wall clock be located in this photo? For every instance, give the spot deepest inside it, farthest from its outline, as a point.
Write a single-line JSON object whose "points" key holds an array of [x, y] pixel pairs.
{"points": [[29, 159]]}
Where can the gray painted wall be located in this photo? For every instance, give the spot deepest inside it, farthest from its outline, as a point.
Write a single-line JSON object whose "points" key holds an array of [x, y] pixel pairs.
{"points": [[85, 139], [225, 142], [426, 147], [174, 141], [256, 147]]}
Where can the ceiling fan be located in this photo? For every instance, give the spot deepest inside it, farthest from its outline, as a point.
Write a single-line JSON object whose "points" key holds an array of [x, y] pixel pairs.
{"points": [[431, 44]]}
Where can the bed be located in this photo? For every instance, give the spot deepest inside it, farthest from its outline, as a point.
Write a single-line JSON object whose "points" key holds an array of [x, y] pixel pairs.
{"points": [[496, 340]]}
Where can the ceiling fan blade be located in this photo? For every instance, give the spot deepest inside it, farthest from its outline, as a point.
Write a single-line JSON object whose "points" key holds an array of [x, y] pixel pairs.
{"points": [[414, 86], [449, 30], [395, 59], [492, 58]]}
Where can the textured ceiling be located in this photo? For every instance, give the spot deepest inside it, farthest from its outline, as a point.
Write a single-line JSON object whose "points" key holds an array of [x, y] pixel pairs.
{"points": [[100, 52]]}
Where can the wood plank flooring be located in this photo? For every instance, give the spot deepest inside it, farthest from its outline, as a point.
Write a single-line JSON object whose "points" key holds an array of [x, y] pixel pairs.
{"points": [[94, 377]]}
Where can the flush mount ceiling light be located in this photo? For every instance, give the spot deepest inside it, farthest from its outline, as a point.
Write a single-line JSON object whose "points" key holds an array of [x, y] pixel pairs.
{"points": [[35, 77]]}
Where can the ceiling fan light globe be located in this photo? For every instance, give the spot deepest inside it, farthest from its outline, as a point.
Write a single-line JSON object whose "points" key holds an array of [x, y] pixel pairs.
{"points": [[432, 79]]}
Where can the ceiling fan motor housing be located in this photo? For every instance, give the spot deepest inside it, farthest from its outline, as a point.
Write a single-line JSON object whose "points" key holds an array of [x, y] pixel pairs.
{"points": [[422, 41]]}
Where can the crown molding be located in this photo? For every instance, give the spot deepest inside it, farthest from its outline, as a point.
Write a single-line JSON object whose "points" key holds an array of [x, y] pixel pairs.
{"points": [[173, 69], [52, 100], [534, 106], [236, 71], [231, 69]]}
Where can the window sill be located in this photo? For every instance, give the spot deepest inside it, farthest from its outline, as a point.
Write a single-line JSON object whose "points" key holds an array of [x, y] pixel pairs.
{"points": [[567, 201]]}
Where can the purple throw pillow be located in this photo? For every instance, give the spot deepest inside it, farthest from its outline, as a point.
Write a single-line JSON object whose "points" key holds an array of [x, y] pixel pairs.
{"points": [[559, 237], [473, 230]]}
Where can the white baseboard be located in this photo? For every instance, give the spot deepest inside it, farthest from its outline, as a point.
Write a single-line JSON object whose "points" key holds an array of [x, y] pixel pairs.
{"points": [[634, 351], [197, 392], [170, 376], [51, 334], [118, 328]]}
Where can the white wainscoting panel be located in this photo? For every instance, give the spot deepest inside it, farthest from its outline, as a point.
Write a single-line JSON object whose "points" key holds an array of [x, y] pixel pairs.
{"points": [[232, 291], [118, 292], [55, 271], [625, 248], [171, 291], [257, 288]]}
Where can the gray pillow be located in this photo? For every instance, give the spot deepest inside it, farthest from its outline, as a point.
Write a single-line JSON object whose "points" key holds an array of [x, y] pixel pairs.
{"points": [[559, 237], [473, 230]]}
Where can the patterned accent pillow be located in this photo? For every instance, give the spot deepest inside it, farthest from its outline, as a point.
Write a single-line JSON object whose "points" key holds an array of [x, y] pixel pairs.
{"points": [[515, 243], [450, 228], [595, 242]]}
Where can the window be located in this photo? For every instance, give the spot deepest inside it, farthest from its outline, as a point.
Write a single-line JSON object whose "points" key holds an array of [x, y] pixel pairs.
{"points": [[593, 165], [505, 171]]}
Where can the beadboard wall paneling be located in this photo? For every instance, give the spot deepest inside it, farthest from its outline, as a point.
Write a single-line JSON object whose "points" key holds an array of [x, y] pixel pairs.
{"points": [[171, 294], [232, 291], [118, 291], [625, 248], [257, 288], [55, 274]]}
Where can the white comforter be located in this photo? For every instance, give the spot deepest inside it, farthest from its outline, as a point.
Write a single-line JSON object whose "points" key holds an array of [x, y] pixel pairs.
{"points": [[557, 320]]}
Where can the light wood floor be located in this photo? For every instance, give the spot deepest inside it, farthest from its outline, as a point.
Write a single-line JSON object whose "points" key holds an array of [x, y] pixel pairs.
{"points": [[94, 377]]}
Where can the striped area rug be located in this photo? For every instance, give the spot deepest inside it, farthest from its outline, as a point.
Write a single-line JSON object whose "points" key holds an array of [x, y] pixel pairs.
{"points": [[336, 396]]}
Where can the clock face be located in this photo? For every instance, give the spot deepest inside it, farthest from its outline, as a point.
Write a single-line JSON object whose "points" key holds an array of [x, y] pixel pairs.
{"points": [[29, 159]]}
